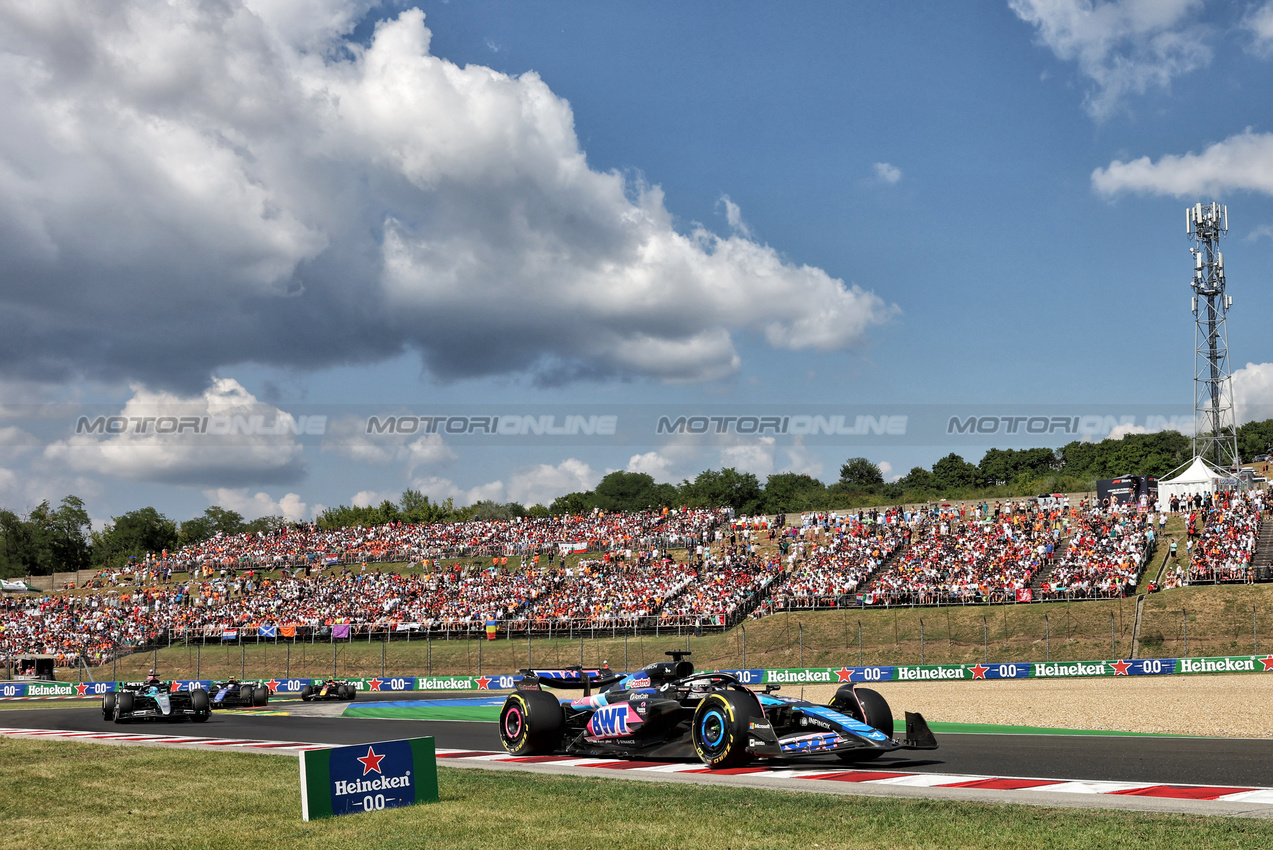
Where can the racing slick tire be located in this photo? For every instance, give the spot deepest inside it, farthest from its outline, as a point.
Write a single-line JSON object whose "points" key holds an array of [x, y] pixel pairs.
{"points": [[201, 704], [720, 728], [307, 693], [260, 695], [351, 693], [108, 707], [874, 712], [531, 723], [245, 695], [123, 706]]}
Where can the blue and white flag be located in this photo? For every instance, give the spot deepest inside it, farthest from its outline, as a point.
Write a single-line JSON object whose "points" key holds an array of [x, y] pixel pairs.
{"points": [[267, 631]]}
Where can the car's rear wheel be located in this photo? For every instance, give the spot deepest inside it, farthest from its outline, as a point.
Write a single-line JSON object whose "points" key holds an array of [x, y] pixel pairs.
{"points": [[307, 693], [108, 707], [123, 706], [260, 695], [721, 724], [351, 692], [868, 707], [531, 723], [201, 704]]}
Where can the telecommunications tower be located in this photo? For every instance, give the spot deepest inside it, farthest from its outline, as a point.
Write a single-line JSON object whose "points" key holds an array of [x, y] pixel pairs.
{"points": [[1214, 428]]}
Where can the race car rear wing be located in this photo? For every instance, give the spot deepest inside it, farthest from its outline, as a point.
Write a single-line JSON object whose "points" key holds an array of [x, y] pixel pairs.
{"points": [[532, 681]]}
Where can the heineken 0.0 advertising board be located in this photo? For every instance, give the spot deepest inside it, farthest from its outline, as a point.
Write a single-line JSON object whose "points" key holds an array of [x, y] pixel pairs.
{"points": [[368, 777]]}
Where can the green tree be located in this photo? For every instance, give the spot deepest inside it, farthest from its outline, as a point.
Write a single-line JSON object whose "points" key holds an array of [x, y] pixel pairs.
{"points": [[632, 491], [64, 534], [134, 534], [724, 488], [786, 492], [21, 552], [572, 503], [858, 473], [955, 473]]}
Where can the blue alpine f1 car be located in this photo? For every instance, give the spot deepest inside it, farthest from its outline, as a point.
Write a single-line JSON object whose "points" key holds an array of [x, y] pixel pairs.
{"points": [[666, 710]]}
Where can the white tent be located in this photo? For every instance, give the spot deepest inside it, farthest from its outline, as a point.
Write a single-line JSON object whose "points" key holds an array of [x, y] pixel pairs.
{"points": [[1198, 477]]}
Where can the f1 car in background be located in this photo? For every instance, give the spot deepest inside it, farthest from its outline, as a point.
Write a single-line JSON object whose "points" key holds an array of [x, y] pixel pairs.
{"points": [[155, 701], [330, 689], [666, 710], [236, 694]]}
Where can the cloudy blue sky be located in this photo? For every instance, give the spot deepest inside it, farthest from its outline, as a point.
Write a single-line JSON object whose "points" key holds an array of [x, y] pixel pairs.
{"points": [[339, 209]]}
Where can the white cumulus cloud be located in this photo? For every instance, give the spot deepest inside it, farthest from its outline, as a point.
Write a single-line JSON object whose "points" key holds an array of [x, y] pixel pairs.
{"points": [[1124, 47], [887, 173], [187, 186], [253, 505], [1259, 24], [222, 437], [1243, 162]]}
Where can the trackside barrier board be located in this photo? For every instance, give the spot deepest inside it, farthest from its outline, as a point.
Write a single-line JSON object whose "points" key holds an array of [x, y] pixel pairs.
{"points": [[752, 677], [368, 777]]}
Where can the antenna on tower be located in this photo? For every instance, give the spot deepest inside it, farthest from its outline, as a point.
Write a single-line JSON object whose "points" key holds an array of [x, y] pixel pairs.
{"points": [[1214, 427]]}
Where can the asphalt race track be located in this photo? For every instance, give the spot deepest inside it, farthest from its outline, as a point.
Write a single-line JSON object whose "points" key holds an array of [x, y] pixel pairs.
{"points": [[1205, 761]]}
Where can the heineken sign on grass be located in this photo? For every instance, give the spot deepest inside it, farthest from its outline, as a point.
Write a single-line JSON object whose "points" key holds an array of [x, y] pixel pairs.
{"points": [[368, 777]]}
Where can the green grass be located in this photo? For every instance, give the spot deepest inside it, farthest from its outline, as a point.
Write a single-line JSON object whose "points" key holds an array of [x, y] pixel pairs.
{"points": [[69, 795]]}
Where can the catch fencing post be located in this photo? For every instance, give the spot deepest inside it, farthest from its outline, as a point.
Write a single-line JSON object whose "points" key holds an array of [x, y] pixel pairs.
{"points": [[985, 640], [800, 630], [1047, 638], [1184, 624], [1255, 633], [859, 643], [744, 629], [921, 640], [1113, 640]]}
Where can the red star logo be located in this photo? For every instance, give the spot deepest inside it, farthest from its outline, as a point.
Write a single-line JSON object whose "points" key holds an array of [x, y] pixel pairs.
{"points": [[82, 689], [174, 687], [272, 684], [1121, 667], [370, 762], [979, 671], [483, 683], [1267, 661], [375, 684], [844, 674]]}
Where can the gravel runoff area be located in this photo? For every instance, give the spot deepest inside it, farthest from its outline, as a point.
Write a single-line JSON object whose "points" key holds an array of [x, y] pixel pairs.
{"points": [[1236, 705]]}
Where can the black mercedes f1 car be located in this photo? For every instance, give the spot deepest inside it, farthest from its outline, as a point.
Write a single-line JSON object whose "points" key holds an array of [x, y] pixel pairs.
{"points": [[666, 710], [155, 701], [236, 694]]}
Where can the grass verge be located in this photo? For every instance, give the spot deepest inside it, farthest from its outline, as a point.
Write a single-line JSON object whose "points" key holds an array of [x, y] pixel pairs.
{"points": [[68, 795]]}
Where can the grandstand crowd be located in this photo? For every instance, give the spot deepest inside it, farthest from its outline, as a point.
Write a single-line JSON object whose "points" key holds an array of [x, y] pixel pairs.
{"points": [[646, 570]]}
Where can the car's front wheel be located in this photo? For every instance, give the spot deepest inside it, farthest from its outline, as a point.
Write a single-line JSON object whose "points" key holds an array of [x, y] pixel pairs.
{"points": [[123, 706], [720, 727], [865, 706], [201, 704]]}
